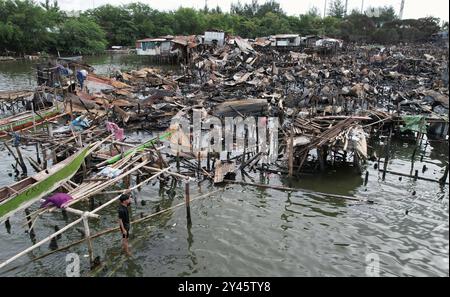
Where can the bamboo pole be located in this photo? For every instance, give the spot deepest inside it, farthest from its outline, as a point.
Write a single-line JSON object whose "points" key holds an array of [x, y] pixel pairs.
{"points": [[140, 220], [87, 234], [297, 190], [65, 228], [411, 176], [48, 238], [81, 213]]}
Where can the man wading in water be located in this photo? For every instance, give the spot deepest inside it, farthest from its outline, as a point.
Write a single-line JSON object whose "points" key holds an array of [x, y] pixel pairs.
{"points": [[124, 220]]}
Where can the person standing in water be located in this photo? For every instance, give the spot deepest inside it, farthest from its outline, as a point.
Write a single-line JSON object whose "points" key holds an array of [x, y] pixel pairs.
{"points": [[124, 220]]}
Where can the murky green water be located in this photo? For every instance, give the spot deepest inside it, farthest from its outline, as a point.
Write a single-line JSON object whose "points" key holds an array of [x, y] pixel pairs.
{"points": [[22, 74], [245, 231]]}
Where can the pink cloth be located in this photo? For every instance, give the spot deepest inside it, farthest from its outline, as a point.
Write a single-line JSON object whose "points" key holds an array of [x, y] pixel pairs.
{"points": [[118, 132], [58, 200]]}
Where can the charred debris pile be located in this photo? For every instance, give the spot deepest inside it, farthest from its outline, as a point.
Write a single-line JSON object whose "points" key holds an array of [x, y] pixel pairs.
{"points": [[328, 103]]}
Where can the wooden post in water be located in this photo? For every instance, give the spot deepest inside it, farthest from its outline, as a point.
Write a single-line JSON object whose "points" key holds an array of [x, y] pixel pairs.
{"points": [[44, 156], [71, 110], [138, 181], [444, 177], [367, 178], [30, 223], [87, 235], [22, 163], [321, 159], [8, 226], [416, 175], [34, 119], [178, 162], [188, 205], [291, 152], [386, 154], [356, 162], [91, 203], [38, 159], [199, 164]]}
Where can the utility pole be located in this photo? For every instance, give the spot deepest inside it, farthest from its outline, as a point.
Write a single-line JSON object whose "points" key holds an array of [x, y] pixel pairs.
{"points": [[346, 8], [362, 7], [325, 9], [402, 7]]}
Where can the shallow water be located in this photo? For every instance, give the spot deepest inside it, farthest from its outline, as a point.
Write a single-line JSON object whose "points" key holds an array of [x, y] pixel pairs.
{"points": [[246, 231], [16, 75]]}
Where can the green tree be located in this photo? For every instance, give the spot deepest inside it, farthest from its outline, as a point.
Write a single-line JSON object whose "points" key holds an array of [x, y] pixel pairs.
{"points": [[142, 19], [309, 24], [271, 24], [331, 26], [25, 27], [269, 6], [81, 36], [357, 27], [117, 22], [188, 21], [336, 9]]}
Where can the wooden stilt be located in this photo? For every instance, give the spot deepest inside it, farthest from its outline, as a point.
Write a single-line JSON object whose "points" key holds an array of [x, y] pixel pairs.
{"points": [[38, 159], [199, 163], [188, 205], [291, 152], [321, 159], [30, 226], [386, 155], [21, 162], [443, 179], [8, 226], [87, 234]]}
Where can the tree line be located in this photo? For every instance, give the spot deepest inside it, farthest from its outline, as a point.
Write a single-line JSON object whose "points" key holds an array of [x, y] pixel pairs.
{"points": [[29, 27]]}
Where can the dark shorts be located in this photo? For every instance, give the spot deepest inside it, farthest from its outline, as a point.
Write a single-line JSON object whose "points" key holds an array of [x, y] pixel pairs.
{"points": [[127, 228]]}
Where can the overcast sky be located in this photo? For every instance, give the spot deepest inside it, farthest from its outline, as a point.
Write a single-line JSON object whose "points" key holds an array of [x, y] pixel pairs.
{"points": [[413, 8]]}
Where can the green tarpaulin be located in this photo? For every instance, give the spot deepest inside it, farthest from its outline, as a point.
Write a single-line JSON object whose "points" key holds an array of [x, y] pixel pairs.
{"points": [[414, 123]]}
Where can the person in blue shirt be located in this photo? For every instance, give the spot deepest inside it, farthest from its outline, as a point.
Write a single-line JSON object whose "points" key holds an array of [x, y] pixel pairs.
{"points": [[81, 76]]}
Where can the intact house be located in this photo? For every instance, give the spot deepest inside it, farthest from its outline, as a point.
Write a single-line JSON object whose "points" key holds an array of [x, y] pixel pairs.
{"points": [[284, 40], [154, 47]]}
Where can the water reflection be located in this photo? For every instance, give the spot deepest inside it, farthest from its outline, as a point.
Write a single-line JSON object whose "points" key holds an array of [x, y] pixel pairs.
{"points": [[341, 180]]}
